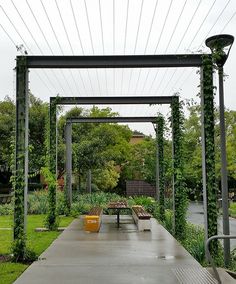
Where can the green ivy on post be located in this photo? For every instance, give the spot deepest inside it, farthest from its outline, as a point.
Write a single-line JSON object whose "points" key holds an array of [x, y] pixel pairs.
{"points": [[20, 180], [208, 145], [51, 174], [160, 155], [179, 190]]}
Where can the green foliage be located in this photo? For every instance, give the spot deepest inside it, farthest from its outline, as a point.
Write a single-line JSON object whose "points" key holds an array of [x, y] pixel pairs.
{"points": [[96, 146], [106, 178], [160, 145], [9, 271], [38, 202], [168, 220], [27, 257], [208, 112], [83, 203], [147, 202], [195, 242], [51, 220], [38, 118], [169, 203], [141, 161], [179, 185], [6, 209], [19, 245], [7, 119], [232, 210], [192, 151]]}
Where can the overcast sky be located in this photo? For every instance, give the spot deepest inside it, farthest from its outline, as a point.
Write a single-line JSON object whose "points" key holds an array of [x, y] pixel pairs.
{"points": [[97, 27]]}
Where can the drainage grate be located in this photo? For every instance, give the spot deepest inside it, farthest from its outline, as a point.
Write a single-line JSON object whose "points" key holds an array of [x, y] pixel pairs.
{"points": [[193, 276]]}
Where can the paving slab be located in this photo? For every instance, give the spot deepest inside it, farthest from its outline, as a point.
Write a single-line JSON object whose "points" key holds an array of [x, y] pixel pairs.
{"points": [[114, 256]]}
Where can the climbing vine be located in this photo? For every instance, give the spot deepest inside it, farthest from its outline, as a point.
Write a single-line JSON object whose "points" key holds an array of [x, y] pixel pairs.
{"points": [[50, 171], [18, 179], [180, 195], [51, 219], [208, 116], [160, 146], [19, 249]]}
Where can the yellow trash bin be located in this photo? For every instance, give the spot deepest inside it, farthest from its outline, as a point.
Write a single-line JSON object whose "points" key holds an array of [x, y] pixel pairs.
{"points": [[92, 223]]}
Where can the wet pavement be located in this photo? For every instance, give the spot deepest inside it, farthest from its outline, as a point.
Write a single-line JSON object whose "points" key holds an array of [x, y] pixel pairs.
{"points": [[114, 255]]}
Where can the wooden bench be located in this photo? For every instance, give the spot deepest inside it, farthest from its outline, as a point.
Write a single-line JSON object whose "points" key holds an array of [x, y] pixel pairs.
{"points": [[93, 220], [141, 218]]}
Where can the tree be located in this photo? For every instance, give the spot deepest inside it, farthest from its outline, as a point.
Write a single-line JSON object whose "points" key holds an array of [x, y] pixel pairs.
{"points": [[95, 145], [192, 150], [106, 178], [7, 121], [38, 116]]}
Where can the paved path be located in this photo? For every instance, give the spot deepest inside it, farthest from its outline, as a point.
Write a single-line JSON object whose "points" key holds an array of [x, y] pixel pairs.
{"points": [[196, 216], [114, 255]]}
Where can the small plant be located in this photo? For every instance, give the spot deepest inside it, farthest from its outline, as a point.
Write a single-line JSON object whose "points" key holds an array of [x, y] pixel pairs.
{"points": [[232, 210], [168, 222], [6, 209], [51, 181], [195, 242], [147, 202], [21, 253]]}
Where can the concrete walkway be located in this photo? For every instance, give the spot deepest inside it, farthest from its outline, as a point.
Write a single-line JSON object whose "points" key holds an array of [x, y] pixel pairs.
{"points": [[115, 255]]}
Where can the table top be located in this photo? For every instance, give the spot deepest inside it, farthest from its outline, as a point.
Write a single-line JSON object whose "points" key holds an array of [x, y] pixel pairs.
{"points": [[118, 205]]}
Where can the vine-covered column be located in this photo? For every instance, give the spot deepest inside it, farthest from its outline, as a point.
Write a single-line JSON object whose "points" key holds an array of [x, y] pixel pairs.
{"points": [[68, 166], [208, 151], [51, 218], [179, 191], [160, 156], [20, 181]]}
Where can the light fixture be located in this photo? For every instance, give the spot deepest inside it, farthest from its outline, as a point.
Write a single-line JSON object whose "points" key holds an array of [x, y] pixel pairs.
{"points": [[220, 46]]}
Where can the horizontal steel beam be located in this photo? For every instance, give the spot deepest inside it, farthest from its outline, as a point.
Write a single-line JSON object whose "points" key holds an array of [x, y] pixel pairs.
{"points": [[115, 61], [111, 100], [110, 119]]}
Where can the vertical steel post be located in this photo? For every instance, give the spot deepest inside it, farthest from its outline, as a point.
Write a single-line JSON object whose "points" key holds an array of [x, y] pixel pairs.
{"points": [[68, 138], [89, 181], [180, 196], [21, 152], [160, 122], [205, 199], [52, 161], [224, 176], [208, 152], [173, 165], [157, 167]]}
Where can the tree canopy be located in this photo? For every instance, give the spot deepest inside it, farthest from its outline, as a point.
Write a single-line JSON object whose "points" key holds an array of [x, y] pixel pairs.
{"points": [[105, 149]]}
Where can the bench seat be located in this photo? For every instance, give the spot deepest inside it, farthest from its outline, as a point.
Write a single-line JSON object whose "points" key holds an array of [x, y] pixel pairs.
{"points": [[95, 211], [141, 218], [93, 220]]}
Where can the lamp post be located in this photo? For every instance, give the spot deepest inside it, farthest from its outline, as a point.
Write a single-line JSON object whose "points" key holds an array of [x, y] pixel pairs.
{"points": [[220, 46]]}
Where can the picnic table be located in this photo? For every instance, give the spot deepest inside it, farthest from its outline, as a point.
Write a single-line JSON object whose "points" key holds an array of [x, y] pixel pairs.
{"points": [[117, 206]]}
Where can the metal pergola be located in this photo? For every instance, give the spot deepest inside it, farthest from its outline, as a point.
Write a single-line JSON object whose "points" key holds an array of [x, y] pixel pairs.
{"points": [[68, 140], [122, 61]]}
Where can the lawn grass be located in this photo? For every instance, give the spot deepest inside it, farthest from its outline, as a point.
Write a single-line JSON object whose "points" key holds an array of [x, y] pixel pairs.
{"points": [[37, 241]]}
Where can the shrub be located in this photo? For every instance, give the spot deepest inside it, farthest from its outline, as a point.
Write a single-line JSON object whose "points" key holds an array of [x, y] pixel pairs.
{"points": [[168, 222], [38, 202], [195, 242], [6, 209], [83, 203], [147, 202], [232, 210], [169, 203]]}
